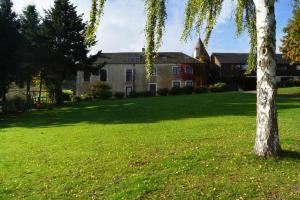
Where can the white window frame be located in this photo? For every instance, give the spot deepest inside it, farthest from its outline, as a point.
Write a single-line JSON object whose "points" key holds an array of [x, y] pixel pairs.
{"points": [[152, 84], [189, 85], [125, 74], [154, 70], [176, 81], [173, 70], [128, 86]]}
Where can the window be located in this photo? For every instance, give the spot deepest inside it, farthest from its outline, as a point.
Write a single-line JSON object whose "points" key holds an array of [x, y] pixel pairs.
{"points": [[298, 67], [176, 84], [244, 67], [134, 59], [103, 75], [189, 83], [282, 67], [175, 70], [87, 77], [154, 71], [129, 75], [189, 70]]}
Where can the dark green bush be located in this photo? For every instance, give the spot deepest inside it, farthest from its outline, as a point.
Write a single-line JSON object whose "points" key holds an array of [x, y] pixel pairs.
{"points": [[288, 83], [119, 95], [176, 91], [67, 95], [100, 90], [297, 83], [200, 90], [188, 90], [218, 87], [143, 94], [163, 92], [76, 99]]}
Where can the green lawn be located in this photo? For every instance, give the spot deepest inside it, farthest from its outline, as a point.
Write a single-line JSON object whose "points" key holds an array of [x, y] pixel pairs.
{"points": [[181, 147], [289, 90]]}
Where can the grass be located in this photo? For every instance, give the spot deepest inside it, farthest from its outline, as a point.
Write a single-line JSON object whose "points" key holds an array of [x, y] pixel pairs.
{"points": [[289, 90], [181, 147]]}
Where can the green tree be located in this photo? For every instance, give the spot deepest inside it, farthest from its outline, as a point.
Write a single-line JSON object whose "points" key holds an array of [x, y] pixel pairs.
{"points": [[9, 48], [30, 30], [291, 41], [64, 32], [258, 17]]}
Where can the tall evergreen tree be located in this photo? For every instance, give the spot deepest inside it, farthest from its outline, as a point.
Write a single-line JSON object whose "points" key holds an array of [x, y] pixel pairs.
{"points": [[64, 32], [30, 30], [9, 46], [291, 41]]}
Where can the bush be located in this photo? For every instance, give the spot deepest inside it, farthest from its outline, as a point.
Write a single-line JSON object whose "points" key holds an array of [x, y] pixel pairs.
{"points": [[200, 90], [67, 95], [176, 91], [119, 95], [288, 83], [188, 90], [85, 97], [218, 87], [143, 94], [297, 83], [16, 103], [76, 99], [100, 90], [163, 92]]}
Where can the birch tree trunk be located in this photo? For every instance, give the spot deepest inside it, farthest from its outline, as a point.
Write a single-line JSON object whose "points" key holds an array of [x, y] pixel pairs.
{"points": [[267, 139]]}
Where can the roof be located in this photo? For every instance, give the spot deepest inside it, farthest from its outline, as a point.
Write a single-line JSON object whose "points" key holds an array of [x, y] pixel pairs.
{"points": [[139, 58], [240, 58], [201, 47]]}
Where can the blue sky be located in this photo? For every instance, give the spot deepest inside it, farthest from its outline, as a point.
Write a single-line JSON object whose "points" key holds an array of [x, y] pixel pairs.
{"points": [[123, 24]]}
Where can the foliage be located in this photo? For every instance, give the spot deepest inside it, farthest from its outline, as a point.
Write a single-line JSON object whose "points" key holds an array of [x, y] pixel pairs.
{"points": [[171, 147], [176, 91], [217, 87], [63, 30], [100, 90], [68, 95], [31, 46], [119, 95], [291, 41], [188, 90], [200, 90], [163, 92], [9, 47]]}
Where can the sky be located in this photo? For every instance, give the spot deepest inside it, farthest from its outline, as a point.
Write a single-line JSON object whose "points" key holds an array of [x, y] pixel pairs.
{"points": [[122, 26]]}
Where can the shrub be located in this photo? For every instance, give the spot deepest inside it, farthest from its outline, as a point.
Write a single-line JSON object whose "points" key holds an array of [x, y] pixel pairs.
{"points": [[288, 83], [188, 90], [163, 92], [143, 94], [176, 91], [67, 95], [297, 83], [16, 103], [200, 90], [76, 99], [85, 97], [100, 90], [119, 95], [218, 87], [133, 94]]}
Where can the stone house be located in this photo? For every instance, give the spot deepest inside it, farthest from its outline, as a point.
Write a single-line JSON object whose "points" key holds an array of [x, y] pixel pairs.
{"points": [[125, 72], [231, 68]]}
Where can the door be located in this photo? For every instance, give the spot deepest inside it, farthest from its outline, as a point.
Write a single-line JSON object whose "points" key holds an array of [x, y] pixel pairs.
{"points": [[128, 90], [152, 89]]}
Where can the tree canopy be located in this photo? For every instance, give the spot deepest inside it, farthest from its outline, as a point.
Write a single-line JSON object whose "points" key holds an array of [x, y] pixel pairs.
{"points": [[291, 41]]}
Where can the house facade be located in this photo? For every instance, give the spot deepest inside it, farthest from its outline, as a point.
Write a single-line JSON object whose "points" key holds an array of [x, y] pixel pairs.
{"points": [[125, 72], [231, 68]]}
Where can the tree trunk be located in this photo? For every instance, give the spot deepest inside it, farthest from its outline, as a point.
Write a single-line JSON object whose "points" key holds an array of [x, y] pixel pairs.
{"points": [[40, 89], [267, 139], [4, 102], [58, 94]]}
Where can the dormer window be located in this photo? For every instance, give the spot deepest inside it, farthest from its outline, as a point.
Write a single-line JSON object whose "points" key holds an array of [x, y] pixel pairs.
{"points": [[189, 70]]}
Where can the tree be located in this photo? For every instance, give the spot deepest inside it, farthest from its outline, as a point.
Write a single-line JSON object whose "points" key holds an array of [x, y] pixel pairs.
{"points": [[258, 17], [64, 32], [30, 30], [9, 48], [291, 41]]}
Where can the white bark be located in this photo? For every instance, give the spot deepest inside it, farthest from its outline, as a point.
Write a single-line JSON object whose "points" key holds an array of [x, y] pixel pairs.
{"points": [[267, 140]]}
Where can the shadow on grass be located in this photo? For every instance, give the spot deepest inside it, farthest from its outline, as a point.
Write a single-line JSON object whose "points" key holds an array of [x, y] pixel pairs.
{"points": [[290, 154], [143, 110]]}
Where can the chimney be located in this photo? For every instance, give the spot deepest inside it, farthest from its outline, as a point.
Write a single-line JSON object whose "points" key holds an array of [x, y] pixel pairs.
{"points": [[143, 50]]}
